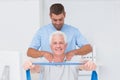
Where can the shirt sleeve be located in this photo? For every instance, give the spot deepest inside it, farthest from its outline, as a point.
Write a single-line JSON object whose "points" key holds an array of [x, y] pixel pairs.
{"points": [[80, 39], [36, 41]]}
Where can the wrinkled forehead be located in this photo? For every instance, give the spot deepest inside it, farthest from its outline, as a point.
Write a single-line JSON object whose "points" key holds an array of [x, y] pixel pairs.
{"points": [[58, 38]]}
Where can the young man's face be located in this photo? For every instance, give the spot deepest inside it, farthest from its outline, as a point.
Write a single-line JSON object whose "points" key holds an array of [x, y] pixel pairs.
{"points": [[58, 44], [57, 20]]}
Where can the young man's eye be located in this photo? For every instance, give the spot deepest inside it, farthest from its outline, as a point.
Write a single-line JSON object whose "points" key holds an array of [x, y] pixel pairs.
{"points": [[60, 19], [54, 19]]}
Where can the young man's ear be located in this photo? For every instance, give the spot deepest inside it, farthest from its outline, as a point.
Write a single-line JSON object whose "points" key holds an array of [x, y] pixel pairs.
{"points": [[64, 13]]}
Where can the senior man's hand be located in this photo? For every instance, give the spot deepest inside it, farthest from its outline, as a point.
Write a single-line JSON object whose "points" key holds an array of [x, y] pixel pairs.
{"points": [[88, 66], [28, 65], [34, 68]]}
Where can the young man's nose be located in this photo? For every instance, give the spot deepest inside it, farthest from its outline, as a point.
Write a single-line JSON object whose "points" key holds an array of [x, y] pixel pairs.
{"points": [[58, 22]]}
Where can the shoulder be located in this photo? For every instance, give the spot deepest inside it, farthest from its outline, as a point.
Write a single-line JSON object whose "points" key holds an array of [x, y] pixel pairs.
{"points": [[44, 27], [70, 27], [42, 60], [76, 58]]}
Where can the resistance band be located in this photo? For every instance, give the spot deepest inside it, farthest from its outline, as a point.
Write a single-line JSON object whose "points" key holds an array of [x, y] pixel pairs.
{"points": [[58, 63], [94, 75]]}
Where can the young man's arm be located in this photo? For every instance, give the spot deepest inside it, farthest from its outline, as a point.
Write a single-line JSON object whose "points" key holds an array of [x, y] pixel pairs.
{"points": [[81, 51], [36, 54]]}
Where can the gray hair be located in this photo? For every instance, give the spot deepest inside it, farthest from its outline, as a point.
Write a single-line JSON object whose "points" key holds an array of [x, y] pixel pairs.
{"points": [[58, 33]]}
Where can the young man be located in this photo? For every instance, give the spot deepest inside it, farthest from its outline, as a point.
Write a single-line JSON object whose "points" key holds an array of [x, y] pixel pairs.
{"points": [[39, 46], [58, 44]]}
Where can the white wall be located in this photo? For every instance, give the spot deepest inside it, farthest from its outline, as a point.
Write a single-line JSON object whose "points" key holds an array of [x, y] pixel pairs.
{"points": [[19, 19], [12, 59], [99, 21]]}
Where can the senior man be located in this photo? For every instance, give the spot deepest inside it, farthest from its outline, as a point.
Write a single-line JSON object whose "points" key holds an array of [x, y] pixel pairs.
{"points": [[58, 44]]}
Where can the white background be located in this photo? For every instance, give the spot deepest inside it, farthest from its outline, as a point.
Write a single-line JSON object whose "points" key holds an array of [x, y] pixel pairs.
{"points": [[19, 19], [98, 20]]}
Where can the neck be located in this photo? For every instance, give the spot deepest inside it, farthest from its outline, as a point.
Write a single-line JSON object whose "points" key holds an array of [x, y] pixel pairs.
{"points": [[58, 58]]}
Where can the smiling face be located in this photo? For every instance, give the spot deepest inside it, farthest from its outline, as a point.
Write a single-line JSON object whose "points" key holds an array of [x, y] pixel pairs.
{"points": [[57, 20], [58, 44], [57, 15]]}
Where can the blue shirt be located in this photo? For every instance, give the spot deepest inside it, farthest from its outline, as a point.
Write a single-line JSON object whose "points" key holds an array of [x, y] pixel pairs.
{"points": [[41, 38]]}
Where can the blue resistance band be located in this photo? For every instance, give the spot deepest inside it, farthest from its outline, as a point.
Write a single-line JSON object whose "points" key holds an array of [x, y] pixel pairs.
{"points": [[28, 76], [57, 63], [94, 75]]}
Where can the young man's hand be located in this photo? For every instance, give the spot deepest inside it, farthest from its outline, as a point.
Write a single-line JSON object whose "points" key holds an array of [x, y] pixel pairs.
{"points": [[69, 55], [47, 55]]}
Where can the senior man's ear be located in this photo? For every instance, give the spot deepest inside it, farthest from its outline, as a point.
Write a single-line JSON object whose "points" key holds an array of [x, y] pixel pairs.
{"points": [[66, 45], [50, 46]]}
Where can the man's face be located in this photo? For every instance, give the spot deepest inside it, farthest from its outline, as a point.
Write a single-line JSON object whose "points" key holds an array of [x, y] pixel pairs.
{"points": [[58, 44], [57, 20]]}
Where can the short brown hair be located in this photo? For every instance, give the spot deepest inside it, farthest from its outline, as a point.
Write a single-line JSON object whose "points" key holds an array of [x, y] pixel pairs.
{"points": [[57, 8]]}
